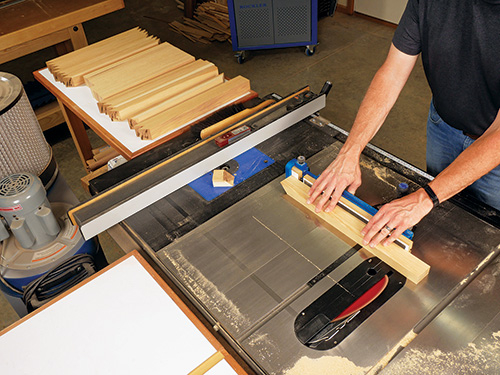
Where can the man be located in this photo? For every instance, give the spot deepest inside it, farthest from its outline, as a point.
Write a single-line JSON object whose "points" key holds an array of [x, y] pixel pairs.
{"points": [[460, 45]]}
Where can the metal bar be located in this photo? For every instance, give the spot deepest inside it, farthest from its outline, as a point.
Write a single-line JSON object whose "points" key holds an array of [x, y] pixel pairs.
{"points": [[91, 224]]}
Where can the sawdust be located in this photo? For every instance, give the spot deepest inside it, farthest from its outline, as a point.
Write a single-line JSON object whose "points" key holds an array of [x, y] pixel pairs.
{"points": [[403, 343], [328, 365], [381, 172], [482, 358], [207, 292], [264, 347]]}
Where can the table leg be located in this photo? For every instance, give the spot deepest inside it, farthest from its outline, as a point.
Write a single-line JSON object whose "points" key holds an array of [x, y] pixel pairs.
{"points": [[64, 47], [189, 6], [78, 133], [78, 37]]}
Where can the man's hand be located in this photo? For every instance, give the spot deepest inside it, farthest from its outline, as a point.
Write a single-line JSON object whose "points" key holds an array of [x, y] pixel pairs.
{"points": [[343, 173], [395, 217]]}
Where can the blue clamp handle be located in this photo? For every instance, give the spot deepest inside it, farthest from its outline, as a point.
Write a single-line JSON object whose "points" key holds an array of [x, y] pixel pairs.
{"points": [[350, 197]]}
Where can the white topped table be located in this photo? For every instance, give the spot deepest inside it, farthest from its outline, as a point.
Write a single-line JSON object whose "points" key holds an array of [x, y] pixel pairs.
{"points": [[123, 320]]}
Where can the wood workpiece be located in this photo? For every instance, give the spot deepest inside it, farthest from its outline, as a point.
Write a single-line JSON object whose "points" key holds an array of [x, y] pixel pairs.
{"points": [[153, 92], [222, 178], [135, 69], [402, 261], [194, 108], [71, 68]]}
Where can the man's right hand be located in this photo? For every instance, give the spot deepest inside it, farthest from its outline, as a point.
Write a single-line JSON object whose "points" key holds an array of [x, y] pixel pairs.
{"points": [[343, 173]]}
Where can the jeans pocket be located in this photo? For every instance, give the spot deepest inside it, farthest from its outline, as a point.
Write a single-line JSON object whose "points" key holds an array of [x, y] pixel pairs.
{"points": [[433, 115]]}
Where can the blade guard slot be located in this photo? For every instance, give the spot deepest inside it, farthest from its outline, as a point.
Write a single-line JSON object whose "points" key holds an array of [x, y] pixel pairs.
{"points": [[328, 320]]}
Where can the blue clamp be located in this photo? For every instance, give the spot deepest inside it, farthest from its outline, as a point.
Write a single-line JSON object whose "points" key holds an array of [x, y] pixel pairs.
{"points": [[301, 164]]}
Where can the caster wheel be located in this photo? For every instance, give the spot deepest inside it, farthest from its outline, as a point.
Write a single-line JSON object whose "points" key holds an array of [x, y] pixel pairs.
{"points": [[310, 50], [241, 57]]}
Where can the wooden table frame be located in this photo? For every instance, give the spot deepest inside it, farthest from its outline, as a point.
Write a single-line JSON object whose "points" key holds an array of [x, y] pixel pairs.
{"points": [[30, 26]]}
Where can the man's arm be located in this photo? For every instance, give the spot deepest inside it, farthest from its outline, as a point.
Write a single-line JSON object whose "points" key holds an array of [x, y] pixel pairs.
{"points": [[473, 163], [344, 171]]}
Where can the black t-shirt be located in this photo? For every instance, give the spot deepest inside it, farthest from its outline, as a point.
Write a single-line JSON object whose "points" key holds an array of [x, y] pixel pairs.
{"points": [[460, 45]]}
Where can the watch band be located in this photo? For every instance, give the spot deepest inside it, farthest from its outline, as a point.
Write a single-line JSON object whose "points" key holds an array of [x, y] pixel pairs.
{"points": [[432, 195]]}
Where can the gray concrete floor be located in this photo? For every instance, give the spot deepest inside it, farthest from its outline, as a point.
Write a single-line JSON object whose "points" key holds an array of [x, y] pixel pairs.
{"points": [[350, 51]]}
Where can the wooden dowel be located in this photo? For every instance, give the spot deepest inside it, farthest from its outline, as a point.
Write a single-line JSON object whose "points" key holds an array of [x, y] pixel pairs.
{"points": [[221, 125], [208, 364]]}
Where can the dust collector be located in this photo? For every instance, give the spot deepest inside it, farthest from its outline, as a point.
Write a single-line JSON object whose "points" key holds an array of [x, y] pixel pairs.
{"points": [[42, 253]]}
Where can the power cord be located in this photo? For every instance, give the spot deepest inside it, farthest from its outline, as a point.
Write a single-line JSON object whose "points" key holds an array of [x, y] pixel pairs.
{"points": [[57, 280]]}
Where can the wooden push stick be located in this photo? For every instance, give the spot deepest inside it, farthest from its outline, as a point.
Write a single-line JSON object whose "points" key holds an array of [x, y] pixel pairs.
{"points": [[221, 125], [401, 260], [208, 364]]}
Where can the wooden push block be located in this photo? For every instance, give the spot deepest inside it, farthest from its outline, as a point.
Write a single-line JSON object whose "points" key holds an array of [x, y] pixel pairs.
{"points": [[222, 178], [401, 260]]}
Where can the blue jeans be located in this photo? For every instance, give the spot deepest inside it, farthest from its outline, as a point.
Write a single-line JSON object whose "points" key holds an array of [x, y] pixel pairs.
{"points": [[444, 144]]}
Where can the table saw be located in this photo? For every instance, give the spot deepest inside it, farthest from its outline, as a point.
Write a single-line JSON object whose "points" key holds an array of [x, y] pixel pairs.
{"points": [[255, 264]]}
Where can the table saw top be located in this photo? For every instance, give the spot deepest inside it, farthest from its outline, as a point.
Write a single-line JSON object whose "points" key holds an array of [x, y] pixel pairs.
{"points": [[245, 257]]}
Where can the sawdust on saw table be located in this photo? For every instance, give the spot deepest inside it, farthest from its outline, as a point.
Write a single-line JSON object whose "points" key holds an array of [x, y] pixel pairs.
{"points": [[480, 358], [328, 365]]}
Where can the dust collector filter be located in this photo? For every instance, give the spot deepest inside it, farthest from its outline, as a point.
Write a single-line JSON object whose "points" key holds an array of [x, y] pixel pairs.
{"points": [[23, 147]]}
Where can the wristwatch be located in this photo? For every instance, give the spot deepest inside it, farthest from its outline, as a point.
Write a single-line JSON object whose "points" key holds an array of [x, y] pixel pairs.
{"points": [[432, 195]]}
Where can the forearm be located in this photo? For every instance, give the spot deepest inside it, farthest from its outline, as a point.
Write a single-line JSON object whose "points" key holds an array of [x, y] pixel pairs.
{"points": [[473, 163]]}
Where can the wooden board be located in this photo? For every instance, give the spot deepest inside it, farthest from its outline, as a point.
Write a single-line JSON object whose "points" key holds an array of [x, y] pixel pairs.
{"points": [[72, 67], [154, 84], [137, 121], [161, 94], [402, 261], [136, 69], [195, 108]]}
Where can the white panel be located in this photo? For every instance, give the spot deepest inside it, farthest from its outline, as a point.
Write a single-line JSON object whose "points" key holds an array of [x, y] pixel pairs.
{"points": [[122, 322], [387, 10]]}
